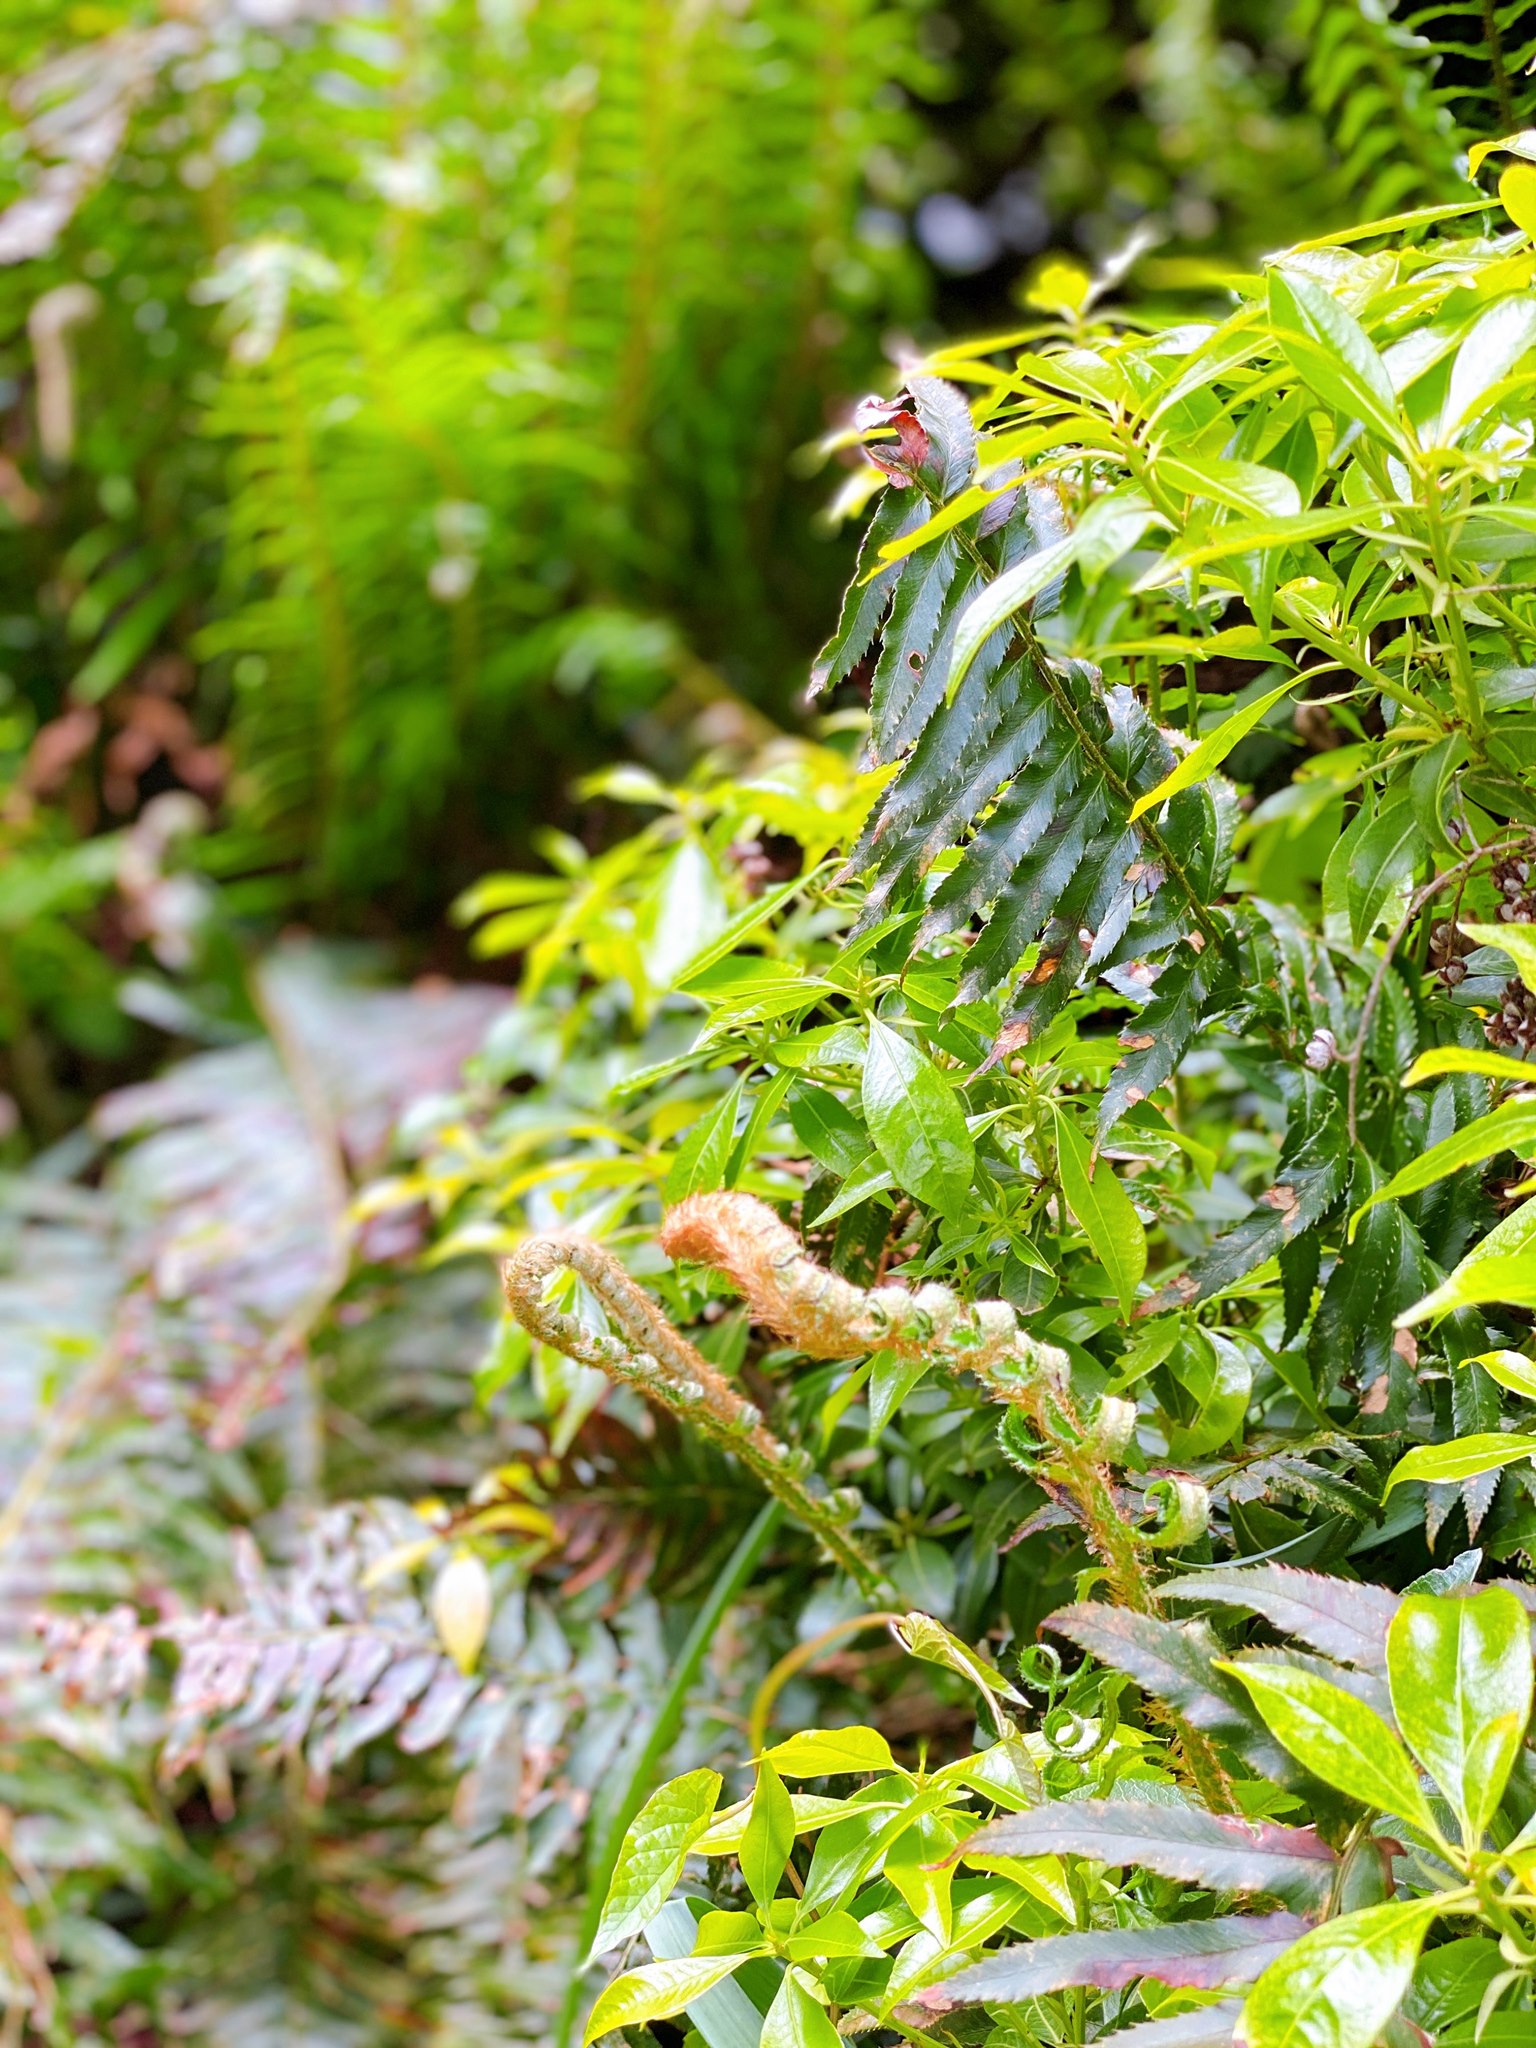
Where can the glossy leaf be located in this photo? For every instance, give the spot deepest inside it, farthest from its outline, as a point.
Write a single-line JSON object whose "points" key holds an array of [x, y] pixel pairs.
{"points": [[1341, 1983], [1207, 755], [651, 1857], [1332, 353], [1498, 1268], [1462, 1458], [1104, 1210], [917, 1121], [769, 1836], [1494, 344], [1338, 1739], [1509, 1128], [796, 2018], [1468, 1059], [823, 1753], [1512, 1369], [1380, 863], [1460, 1671], [657, 1990]]}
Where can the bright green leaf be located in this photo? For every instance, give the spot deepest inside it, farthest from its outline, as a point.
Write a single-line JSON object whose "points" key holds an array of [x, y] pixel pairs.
{"points": [[1330, 351], [823, 1752], [1511, 1369], [1340, 1984], [796, 2018], [1469, 1059], [657, 1990], [1205, 758], [1337, 1737], [1460, 1673], [1466, 1457], [653, 1852], [1506, 1257], [769, 1837], [917, 1120], [1509, 1128], [1104, 1210], [831, 1936], [1381, 862]]}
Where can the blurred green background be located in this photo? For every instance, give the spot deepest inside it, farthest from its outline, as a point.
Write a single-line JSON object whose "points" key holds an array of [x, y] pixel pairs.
{"points": [[407, 408]]}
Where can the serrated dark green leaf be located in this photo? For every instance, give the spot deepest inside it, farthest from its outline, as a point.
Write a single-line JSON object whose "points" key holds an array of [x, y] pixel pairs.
{"points": [[865, 604], [1300, 1260], [1354, 1293], [1158, 1039], [909, 632], [1309, 1179], [1336, 1616]]}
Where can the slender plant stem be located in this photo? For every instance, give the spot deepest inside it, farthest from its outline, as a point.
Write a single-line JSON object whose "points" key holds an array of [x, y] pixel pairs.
{"points": [[633, 1785]]}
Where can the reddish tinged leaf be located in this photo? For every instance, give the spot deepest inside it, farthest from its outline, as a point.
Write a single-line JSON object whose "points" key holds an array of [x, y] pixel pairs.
{"points": [[1336, 1616], [901, 462], [1228, 1855], [1195, 1955], [1167, 1658], [1210, 2027]]}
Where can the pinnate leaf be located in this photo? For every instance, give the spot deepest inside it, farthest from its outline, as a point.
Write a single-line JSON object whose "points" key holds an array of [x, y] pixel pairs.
{"points": [[1209, 2027], [1336, 1616], [1195, 1954]]}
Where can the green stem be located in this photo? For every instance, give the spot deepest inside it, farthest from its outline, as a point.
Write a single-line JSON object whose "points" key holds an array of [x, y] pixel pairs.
{"points": [[610, 1822], [1463, 688]]}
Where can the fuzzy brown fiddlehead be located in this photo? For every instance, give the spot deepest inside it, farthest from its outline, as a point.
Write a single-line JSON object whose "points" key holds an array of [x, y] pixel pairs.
{"points": [[648, 1354], [828, 1317]]}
